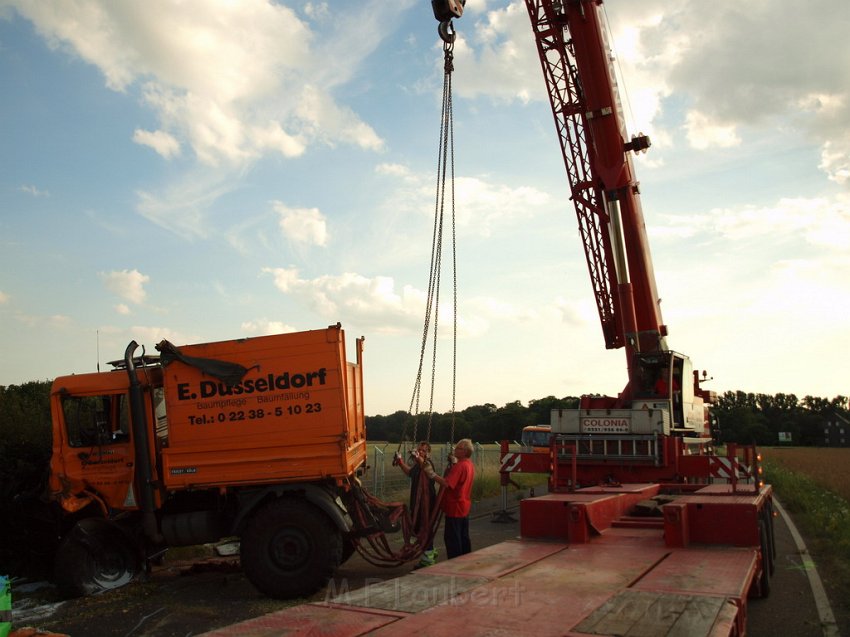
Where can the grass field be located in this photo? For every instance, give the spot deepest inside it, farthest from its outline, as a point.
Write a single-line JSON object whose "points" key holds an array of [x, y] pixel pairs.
{"points": [[813, 484], [829, 468]]}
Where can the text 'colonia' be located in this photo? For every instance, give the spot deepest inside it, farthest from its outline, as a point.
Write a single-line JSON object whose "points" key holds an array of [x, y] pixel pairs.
{"points": [[269, 383]]}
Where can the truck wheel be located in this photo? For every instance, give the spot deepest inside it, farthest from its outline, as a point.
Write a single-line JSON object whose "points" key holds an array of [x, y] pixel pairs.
{"points": [[290, 549], [347, 550], [93, 559]]}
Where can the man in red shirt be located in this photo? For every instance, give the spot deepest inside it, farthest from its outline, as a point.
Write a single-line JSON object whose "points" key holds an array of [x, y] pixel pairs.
{"points": [[661, 383], [457, 500]]}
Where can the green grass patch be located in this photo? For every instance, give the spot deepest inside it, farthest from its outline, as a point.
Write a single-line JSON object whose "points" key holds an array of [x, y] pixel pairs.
{"points": [[488, 484], [823, 517], [821, 513]]}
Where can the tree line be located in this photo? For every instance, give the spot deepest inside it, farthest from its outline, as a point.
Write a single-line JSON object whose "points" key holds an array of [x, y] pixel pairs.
{"points": [[25, 430], [741, 417]]}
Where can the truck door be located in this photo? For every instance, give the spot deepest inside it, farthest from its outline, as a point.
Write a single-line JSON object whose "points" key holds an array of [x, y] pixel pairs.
{"points": [[98, 453]]}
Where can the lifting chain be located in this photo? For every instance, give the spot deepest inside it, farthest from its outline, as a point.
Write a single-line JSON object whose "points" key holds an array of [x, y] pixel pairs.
{"points": [[445, 164], [372, 517]]}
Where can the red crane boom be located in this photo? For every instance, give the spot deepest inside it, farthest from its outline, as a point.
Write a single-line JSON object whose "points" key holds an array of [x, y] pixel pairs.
{"points": [[572, 45]]}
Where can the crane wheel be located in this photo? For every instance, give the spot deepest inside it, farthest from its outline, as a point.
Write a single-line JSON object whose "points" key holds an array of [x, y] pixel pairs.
{"points": [[94, 557], [290, 549]]}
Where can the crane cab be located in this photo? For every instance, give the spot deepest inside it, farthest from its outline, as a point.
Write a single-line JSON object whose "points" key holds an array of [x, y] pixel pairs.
{"points": [[664, 381], [661, 399]]}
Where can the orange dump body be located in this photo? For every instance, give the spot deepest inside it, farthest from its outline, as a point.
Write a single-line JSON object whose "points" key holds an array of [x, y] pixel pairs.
{"points": [[297, 414]]}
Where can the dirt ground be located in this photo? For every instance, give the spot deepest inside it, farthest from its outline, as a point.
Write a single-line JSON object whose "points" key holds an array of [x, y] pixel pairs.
{"points": [[192, 596]]}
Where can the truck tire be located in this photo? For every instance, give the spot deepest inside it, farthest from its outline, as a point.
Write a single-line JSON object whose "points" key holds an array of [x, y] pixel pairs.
{"points": [[290, 549], [348, 550], [93, 559]]}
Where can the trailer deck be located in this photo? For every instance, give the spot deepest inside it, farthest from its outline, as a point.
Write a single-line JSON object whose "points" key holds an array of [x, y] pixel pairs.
{"points": [[618, 576]]}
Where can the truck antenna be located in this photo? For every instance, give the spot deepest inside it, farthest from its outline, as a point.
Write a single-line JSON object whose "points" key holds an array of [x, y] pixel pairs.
{"points": [[97, 332]]}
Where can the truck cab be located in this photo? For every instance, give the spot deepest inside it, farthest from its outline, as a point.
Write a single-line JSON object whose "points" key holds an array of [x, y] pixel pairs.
{"points": [[93, 455]]}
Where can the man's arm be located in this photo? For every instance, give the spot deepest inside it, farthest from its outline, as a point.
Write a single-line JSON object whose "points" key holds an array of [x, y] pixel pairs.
{"points": [[428, 470], [399, 460]]}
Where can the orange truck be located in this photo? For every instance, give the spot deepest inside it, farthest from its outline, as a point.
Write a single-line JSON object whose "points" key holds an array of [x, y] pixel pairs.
{"points": [[261, 439]]}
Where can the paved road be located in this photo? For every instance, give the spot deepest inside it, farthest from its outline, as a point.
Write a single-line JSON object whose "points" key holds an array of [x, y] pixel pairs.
{"points": [[791, 608]]}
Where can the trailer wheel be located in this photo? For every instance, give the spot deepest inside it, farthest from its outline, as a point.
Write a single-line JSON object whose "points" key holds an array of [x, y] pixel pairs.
{"points": [[766, 561], [771, 536], [94, 558], [290, 549]]}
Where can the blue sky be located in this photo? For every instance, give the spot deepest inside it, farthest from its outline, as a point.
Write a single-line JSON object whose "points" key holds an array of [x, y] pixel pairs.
{"points": [[209, 170]]}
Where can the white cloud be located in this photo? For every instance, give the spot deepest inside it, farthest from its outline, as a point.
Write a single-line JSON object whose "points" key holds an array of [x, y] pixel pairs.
{"points": [[163, 143], [729, 77], [181, 207], [234, 80], [122, 308], [819, 222], [128, 284], [835, 159], [302, 225], [4, 298], [323, 119], [60, 321], [480, 203], [496, 56], [736, 76], [377, 305], [703, 133], [35, 192], [372, 302], [318, 10], [398, 171], [227, 83], [265, 326], [481, 313], [153, 335], [572, 312]]}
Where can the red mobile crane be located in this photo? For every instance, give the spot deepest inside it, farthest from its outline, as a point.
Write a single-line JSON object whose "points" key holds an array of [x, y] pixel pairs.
{"points": [[644, 530]]}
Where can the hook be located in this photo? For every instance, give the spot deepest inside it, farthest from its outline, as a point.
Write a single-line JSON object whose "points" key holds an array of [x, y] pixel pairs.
{"points": [[446, 31]]}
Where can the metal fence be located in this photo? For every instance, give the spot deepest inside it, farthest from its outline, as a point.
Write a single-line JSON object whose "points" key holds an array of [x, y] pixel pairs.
{"points": [[389, 483]]}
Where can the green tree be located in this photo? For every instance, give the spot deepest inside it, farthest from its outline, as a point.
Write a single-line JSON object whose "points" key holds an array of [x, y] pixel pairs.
{"points": [[541, 409]]}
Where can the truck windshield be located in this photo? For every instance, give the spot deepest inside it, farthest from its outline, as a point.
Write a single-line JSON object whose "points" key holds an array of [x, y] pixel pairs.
{"points": [[536, 437], [96, 420]]}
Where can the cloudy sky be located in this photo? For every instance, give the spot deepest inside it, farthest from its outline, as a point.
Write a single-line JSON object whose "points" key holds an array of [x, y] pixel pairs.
{"points": [[205, 170]]}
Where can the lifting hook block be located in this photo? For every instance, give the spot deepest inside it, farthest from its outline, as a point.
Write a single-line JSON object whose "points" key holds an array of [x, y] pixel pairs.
{"points": [[445, 10]]}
